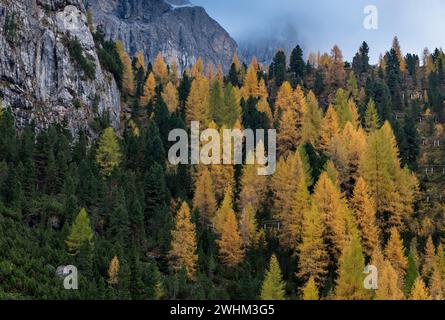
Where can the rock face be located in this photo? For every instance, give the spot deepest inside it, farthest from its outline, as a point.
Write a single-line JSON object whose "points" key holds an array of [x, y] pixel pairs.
{"points": [[39, 77], [180, 31]]}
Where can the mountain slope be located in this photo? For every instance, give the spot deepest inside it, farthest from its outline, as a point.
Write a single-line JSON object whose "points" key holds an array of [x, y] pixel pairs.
{"points": [[45, 73], [180, 31]]}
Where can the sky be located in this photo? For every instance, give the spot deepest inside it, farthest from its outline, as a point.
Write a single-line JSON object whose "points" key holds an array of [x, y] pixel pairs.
{"points": [[319, 24]]}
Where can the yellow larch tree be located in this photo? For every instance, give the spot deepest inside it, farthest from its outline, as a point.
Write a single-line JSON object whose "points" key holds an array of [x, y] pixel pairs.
{"points": [[230, 243], [285, 99], [170, 97], [248, 226], [310, 290], [128, 85], [140, 61], [365, 218], [429, 259], [204, 197], [250, 88], [333, 209], [183, 244], [197, 101], [329, 128], [198, 68], [419, 291], [292, 221], [113, 271], [346, 151], [253, 186], [312, 120], [160, 70], [284, 184], [313, 256], [149, 91], [392, 188], [223, 210], [395, 254], [388, 283]]}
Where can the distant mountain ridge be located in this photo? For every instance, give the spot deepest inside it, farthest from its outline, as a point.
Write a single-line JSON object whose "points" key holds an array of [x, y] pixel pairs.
{"points": [[177, 29]]}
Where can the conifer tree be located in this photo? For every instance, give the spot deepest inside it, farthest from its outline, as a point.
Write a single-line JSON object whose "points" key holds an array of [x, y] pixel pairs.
{"points": [[290, 234], [284, 183], [419, 291], [216, 103], [365, 217], [224, 209], [149, 90], [113, 271], [204, 198], [198, 68], [250, 88], [329, 128], [436, 285], [108, 154], [128, 84], [81, 233], [350, 272], [342, 109], [230, 243], [313, 257], [248, 226], [197, 101], [371, 117], [429, 259], [391, 189], [394, 252], [411, 274], [140, 62], [160, 69], [232, 112], [273, 285], [333, 210], [253, 186], [310, 291], [285, 100], [170, 97], [388, 283], [312, 120], [183, 245]]}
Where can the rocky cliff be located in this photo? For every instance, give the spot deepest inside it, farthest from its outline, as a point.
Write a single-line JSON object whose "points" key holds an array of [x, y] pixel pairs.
{"points": [[49, 69], [177, 29]]}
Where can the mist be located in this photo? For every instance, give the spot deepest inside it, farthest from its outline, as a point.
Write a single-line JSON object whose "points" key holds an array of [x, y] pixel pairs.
{"points": [[317, 25]]}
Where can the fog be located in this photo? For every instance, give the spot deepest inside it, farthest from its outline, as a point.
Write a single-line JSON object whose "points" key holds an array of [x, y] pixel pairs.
{"points": [[319, 24]]}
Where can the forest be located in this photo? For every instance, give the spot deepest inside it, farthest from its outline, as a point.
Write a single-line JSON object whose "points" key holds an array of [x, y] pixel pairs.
{"points": [[360, 180]]}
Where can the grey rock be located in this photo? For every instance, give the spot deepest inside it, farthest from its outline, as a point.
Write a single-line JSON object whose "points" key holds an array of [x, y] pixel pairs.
{"points": [[38, 78], [178, 30]]}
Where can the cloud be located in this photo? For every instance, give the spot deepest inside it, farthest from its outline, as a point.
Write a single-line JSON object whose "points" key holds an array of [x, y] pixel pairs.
{"points": [[319, 24]]}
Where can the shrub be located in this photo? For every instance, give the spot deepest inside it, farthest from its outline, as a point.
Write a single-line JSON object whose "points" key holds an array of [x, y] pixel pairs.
{"points": [[76, 54]]}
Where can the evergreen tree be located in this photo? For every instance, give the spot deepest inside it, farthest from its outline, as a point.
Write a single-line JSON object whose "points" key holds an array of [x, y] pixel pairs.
{"points": [[297, 64], [81, 233], [273, 285], [108, 154], [411, 274]]}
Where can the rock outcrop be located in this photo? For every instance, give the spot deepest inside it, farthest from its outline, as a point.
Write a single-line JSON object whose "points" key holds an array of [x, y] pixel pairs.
{"points": [[177, 29], [40, 77]]}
